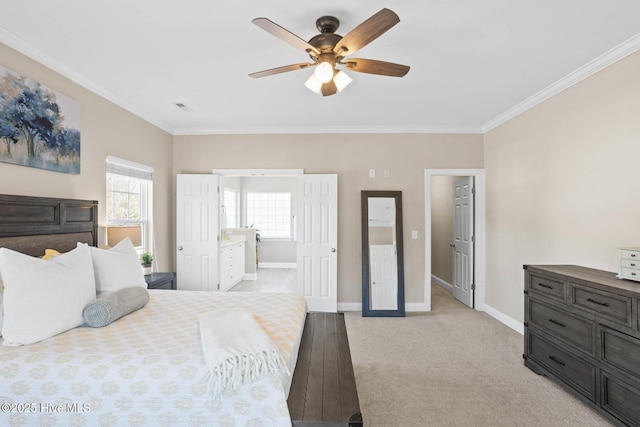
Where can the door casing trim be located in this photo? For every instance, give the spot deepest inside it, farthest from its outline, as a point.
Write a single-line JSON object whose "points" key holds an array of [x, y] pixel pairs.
{"points": [[480, 222]]}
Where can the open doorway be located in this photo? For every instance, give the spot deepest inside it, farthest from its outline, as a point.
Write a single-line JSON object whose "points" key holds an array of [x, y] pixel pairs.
{"points": [[452, 236], [444, 256], [314, 233], [261, 209]]}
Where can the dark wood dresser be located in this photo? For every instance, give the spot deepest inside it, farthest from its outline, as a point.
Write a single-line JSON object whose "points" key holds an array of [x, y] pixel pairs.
{"points": [[582, 329]]}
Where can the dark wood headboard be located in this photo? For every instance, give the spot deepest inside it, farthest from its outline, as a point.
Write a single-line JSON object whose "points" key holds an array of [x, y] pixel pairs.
{"points": [[32, 224]]}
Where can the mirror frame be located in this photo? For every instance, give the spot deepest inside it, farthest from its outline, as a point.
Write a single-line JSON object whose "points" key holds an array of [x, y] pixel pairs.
{"points": [[366, 311]]}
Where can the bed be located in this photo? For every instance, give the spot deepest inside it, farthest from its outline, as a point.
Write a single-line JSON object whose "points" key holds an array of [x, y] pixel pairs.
{"points": [[146, 368]]}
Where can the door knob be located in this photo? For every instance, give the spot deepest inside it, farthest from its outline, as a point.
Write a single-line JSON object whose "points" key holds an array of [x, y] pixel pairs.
{"points": [[333, 249], [180, 248]]}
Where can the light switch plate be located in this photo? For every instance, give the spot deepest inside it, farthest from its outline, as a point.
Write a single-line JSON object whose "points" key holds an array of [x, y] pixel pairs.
{"points": [[414, 234]]}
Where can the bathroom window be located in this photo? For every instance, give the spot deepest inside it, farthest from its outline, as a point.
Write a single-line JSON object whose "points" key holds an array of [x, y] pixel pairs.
{"points": [[270, 213], [231, 207]]}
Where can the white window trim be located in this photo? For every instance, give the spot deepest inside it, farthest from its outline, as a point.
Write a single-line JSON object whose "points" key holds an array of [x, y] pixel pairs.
{"points": [[129, 164], [118, 166]]}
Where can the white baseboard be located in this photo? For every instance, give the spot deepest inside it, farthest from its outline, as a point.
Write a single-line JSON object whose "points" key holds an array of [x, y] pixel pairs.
{"points": [[503, 318], [443, 283], [277, 265], [250, 276]]}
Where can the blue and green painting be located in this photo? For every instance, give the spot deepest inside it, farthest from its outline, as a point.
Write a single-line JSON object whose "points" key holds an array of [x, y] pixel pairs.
{"points": [[39, 127]]}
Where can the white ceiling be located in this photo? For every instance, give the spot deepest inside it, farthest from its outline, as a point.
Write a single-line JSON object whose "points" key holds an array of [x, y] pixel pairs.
{"points": [[474, 63]]}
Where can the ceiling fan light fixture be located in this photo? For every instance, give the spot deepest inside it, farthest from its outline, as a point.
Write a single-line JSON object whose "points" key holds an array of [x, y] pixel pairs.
{"points": [[342, 80], [313, 83], [324, 72]]}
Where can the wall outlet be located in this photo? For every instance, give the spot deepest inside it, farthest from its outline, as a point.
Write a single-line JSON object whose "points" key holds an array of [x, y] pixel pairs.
{"points": [[386, 173], [372, 173]]}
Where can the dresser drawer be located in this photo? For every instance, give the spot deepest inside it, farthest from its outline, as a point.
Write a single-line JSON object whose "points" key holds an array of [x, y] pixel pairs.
{"points": [[630, 273], [629, 254], [549, 287], [621, 350], [620, 399], [578, 373], [574, 329], [630, 263], [608, 305]]}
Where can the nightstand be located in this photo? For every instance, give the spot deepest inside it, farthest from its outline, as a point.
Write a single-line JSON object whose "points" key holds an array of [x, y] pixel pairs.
{"points": [[161, 280]]}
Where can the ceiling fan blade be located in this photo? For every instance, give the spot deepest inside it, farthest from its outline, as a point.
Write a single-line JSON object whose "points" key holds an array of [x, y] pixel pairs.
{"points": [[366, 32], [285, 35], [371, 66], [279, 70], [329, 88]]}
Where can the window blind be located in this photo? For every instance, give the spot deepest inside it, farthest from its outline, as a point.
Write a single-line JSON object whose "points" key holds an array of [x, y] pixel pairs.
{"points": [[128, 168]]}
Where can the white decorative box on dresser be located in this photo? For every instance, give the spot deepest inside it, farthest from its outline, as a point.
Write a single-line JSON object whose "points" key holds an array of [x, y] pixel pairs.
{"points": [[231, 263], [629, 264]]}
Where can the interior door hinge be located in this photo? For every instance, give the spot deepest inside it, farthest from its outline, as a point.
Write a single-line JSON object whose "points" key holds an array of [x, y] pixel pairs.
{"points": [[473, 286], [473, 190], [473, 238]]}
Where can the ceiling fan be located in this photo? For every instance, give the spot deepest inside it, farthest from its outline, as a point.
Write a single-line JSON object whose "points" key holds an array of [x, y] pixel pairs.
{"points": [[328, 50]]}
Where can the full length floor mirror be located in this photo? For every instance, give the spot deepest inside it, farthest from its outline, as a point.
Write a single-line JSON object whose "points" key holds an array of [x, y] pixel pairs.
{"points": [[382, 256]]}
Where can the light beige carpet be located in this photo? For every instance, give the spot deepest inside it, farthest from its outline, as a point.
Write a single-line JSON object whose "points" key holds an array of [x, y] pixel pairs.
{"points": [[453, 367]]}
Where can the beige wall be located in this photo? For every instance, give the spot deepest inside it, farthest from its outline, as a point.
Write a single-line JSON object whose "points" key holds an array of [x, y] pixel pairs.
{"points": [[562, 182], [105, 130], [351, 156], [382, 235], [442, 227]]}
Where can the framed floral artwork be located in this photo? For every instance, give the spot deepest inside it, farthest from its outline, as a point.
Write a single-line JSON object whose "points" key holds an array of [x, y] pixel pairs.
{"points": [[39, 127]]}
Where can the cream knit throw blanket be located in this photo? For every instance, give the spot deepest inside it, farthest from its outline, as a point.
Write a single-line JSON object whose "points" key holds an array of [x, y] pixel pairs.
{"points": [[236, 349]]}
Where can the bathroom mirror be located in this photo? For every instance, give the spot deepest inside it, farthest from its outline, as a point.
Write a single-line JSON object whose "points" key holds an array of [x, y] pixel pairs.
{"points": [[382, 256]]}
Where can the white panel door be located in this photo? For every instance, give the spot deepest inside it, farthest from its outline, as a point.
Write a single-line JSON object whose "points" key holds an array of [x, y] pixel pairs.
{"points": [[318, 241], [384, 277], [463, 240], [197, 232]]}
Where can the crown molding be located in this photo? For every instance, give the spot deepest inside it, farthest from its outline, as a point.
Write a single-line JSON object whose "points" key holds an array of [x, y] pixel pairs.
{"points": [[614, 55], [37, 55], [329, 130]]}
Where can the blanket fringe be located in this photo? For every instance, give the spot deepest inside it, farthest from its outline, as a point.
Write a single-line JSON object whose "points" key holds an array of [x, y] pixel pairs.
{"points": [[238, 370]]}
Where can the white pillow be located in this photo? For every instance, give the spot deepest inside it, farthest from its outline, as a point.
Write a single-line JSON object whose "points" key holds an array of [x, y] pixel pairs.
{"points": [[44, 298], [116, 268]]}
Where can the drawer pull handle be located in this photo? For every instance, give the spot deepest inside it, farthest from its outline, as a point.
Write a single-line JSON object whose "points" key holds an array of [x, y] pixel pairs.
{"points": [[545, 286], [555, 322], [559, 362], [633, 274], [633, 255], [633, 264], [604, 304]]}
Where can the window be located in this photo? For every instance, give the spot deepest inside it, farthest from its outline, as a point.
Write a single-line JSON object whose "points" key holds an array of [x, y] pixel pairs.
{"points": [[129, 190], [231, 207], [270, 213]]}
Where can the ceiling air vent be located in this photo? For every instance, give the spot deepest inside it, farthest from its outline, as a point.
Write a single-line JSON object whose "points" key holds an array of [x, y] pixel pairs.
{"points": [[183, 106]]}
